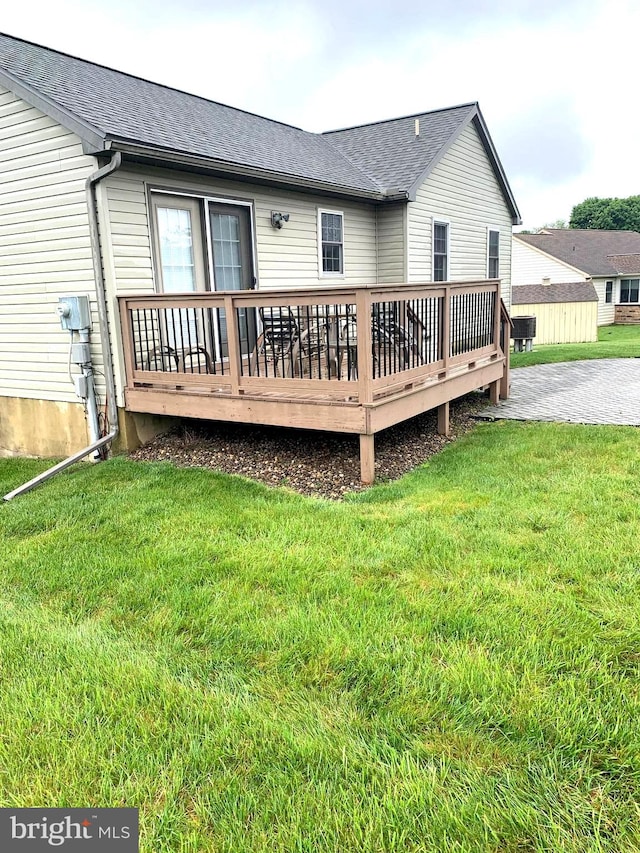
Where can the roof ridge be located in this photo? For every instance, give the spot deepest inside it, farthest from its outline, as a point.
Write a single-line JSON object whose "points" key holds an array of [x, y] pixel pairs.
{"points": [[155, 83], [402, 118], [591, 230]]}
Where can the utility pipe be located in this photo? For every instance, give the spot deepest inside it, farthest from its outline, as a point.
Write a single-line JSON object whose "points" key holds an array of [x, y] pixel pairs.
{"points": [[103, 322]]}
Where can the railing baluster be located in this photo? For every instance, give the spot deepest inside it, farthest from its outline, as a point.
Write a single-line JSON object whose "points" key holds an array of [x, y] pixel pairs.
{"points": [[318, 339]]}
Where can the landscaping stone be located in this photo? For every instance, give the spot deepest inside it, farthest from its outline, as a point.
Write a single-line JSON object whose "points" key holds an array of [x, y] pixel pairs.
{"points": [[312, 463]]}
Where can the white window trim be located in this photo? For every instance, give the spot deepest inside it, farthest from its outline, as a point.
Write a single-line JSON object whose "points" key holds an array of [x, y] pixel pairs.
{"points": [[440, 220], [489, 229], [321, 272]]}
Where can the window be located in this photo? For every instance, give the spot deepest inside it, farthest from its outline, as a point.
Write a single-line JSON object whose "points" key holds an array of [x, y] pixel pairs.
{"points": [[331, 242], [608, 292], [440, 251], [629, 289], [493, 254]]}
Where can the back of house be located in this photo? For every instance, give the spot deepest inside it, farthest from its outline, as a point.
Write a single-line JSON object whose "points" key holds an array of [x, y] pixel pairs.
{"points": [[199, 197]]}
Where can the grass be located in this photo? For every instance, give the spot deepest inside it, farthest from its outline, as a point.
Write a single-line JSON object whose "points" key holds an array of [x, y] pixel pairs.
{"points": [[445, 663], [613, 342]]}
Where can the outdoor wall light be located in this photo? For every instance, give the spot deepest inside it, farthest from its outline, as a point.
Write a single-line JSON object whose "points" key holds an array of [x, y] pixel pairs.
{"points": [[278, 219]]}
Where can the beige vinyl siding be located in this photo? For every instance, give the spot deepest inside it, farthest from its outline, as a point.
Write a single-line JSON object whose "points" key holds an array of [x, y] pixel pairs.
{"points": [[562, 322], [606, 313], [392, 256], [462, 189], [45, 249], [530, 266], [285, 257]]}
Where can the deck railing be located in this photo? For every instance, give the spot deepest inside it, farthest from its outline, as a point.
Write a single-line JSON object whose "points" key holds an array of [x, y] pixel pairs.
{"points": [[343, 342]]}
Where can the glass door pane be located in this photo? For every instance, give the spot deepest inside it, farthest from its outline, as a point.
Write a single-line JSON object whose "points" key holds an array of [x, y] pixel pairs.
{"points": [[179, 267], [233, 266], [175, 236]]}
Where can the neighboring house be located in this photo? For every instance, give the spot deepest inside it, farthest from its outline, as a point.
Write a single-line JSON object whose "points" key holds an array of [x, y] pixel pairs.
{"points": [[200, 197], [609, 259], [565, 313]]}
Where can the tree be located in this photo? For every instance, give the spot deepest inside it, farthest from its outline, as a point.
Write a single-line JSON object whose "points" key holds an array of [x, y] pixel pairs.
{"points": [[611, 214]]}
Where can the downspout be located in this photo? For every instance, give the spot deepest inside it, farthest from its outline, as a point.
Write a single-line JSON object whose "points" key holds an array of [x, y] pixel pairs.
{"points": [[103, 323]]}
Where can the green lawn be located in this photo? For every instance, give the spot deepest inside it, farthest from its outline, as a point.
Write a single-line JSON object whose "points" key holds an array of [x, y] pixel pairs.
{"points": [[613, 342], [446, 663]]}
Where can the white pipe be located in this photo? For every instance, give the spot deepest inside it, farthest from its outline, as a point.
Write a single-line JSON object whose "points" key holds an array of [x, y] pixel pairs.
{"points": [[103, 322]]}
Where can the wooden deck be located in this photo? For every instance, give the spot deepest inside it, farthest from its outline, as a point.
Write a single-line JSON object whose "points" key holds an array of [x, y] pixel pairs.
{"points": [[303, 357]]}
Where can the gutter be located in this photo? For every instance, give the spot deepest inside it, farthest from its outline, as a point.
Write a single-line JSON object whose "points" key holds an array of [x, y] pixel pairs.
{"points": [[103, 323], [167, 158]]}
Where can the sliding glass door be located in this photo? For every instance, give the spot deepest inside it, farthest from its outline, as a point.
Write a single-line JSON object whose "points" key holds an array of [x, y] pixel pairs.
{"points": [[232, 261]]}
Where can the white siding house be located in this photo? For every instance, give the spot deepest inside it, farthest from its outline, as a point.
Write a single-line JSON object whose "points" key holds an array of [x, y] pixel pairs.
{"points": [[529, 265], [608, 259]]}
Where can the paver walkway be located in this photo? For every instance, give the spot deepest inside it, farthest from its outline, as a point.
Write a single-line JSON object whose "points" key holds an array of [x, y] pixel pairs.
{"points": [[602, 391]]}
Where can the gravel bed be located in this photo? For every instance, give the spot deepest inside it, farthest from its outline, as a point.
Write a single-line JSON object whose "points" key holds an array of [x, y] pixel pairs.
{"points": [[321, 464]]}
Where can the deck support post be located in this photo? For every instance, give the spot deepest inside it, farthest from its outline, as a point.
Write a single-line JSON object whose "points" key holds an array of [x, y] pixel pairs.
{"points": [[367, 458], [443, 419], [505, 382], [494, 392]]}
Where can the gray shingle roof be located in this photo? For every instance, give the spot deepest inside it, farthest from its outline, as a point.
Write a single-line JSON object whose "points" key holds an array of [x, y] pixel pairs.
{"points": [[626, 264], [124, 107], [389, 151], [108, 108], [394, 156], [535, 294], [588, 250]]}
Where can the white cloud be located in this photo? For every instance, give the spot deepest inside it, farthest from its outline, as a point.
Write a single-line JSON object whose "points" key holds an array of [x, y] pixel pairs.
{"points": [[556, 82]]}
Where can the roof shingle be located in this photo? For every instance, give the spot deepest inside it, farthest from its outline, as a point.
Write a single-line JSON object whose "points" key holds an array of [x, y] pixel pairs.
{"points": [[125, 107], [389, 151], [588, 250], [535, 294], [376, 161], [626, 264]]}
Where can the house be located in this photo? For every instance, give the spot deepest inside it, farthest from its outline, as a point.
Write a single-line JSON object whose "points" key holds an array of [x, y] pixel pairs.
{"points": [[608, 259], [190, 225]]}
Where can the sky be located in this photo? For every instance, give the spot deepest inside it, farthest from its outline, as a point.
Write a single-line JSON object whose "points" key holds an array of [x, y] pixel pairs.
{"points": [[556, 79]]}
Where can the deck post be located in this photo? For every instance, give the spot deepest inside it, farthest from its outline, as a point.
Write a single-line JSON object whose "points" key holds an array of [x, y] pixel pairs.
{"points": [[446, 328], [365, 362], [128, 340], [443, 419], [494, 392], [505, 382], [367, 458], [233, 342]]}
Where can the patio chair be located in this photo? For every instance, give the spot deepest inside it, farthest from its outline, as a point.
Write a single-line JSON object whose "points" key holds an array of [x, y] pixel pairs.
{"points": [[277, 349], [196, 360], [164, 359]]}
